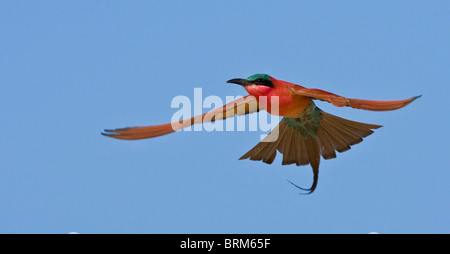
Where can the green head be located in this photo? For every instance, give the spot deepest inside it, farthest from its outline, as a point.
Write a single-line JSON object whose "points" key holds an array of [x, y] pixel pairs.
{"points": [[260, 76], [256, 79]]}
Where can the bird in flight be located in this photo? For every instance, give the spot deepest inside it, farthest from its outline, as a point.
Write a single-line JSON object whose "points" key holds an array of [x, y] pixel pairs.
{"points": [[304, 134]]}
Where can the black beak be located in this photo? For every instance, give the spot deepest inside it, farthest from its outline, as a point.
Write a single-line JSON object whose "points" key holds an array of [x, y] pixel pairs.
{"points": [[239, 81]]}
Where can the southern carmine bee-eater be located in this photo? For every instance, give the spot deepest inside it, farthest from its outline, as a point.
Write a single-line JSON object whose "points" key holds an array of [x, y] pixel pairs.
{"points": [[304, 134]]}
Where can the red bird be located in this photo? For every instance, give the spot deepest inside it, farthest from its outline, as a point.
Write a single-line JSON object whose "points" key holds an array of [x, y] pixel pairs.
{"points": [[305, 132]]}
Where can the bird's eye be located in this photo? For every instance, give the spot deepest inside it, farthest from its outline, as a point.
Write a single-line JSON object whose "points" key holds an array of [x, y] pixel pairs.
{"points": [[259, 80]]}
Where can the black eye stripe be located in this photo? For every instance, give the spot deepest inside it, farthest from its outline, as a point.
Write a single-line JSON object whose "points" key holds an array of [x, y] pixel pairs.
{"points": [[263, 82]]}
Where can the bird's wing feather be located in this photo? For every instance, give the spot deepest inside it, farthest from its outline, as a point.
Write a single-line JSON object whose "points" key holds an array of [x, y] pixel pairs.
{"points": [[340, 101], [241, 106]]}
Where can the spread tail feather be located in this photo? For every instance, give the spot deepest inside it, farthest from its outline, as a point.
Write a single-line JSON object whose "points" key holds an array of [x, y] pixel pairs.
{"points": [[332, 134]]}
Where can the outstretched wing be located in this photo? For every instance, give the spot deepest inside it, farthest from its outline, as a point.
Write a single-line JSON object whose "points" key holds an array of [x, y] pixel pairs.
{"points": [[241, 106], [340, 101]]}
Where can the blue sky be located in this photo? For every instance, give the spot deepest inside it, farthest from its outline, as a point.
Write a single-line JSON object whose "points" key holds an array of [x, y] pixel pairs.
{"points": [[69, 69]]}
